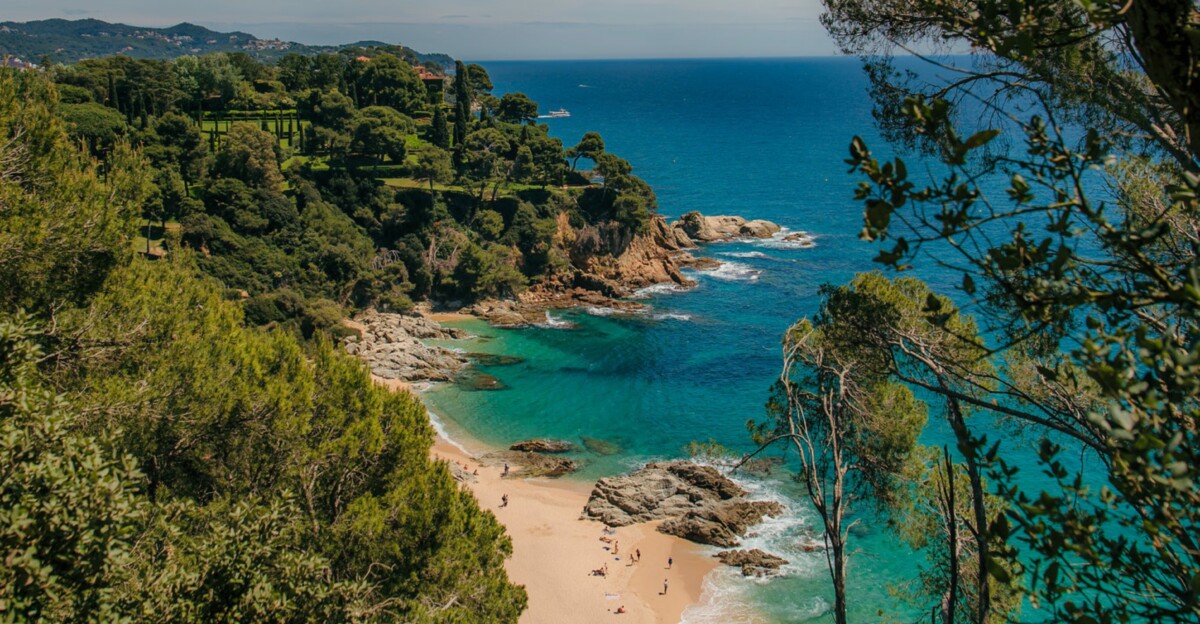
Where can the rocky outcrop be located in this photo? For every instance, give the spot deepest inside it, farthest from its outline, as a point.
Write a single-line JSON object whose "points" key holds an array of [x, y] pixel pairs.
{"points": [[501, 313], [722, 523], [698, 227], [752, 562], [531, 464], [542, 445], [695, 502], [391, 346], [658, 491]]}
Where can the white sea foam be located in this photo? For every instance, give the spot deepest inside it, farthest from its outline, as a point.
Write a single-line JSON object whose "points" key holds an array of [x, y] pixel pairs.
{"points": [[553, 322], [670, 316], [732, 272], [744, 254], [440, 428], [600, 311], [729, 597], [657, 289], [800, 240]]}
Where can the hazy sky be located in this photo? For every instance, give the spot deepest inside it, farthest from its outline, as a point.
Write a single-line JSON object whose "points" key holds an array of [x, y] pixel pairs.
{"points": [[489, 29]]}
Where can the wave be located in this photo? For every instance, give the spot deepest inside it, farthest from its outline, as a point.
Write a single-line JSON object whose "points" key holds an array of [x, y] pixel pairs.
{"points": [[732, 272], [440, 428], [670, 316], [657, 289], [744, 254], [730, 597], [600, 311], [553, 322], [798, 240]]}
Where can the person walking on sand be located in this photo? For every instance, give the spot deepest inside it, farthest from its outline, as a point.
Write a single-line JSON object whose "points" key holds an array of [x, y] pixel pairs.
{"points": [[670, 562], [637, 554], [505, 469], [665, 587]]}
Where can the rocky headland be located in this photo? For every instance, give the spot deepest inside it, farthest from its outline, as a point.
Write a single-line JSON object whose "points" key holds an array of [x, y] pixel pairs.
{"points": [[608, 263], [391, 346], [694, 502]]}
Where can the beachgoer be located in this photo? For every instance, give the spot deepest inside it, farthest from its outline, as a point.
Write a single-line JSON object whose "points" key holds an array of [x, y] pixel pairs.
{"points": [[504, 500], [621, 609], [664, 587], [606, 569], [637, 554], [616, 547], [476, 473], [505, 469], [670, 562]]}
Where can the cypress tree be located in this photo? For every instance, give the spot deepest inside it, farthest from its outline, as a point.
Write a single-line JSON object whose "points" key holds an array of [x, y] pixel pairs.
{"points": [[440, 132]]}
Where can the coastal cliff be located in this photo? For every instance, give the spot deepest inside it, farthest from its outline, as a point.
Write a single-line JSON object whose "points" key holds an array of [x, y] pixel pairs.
{"points": [[608, 262]]}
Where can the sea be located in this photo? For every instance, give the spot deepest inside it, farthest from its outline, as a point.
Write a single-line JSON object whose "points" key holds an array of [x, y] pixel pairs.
{"points": [[759, 138]]}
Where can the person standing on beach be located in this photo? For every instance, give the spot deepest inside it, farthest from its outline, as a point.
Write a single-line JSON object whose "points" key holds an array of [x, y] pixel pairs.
{"points": [[670, 562], [664, 587], [504, 500], [637, 554]]}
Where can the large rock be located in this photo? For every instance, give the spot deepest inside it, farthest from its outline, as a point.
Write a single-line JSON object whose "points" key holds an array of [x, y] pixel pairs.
{"points": [[695, 502], [391, 346], [532, 464], [500, 313], [658, 491], [542, 445], [759, 228], [752, 562], [722, 227], [720, 524]]}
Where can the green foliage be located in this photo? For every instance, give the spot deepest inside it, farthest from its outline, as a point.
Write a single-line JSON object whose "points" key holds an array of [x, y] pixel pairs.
{"points": [[388, 81], [1090, 295], [516, 108], [69, 505], [251, 156], [98, 126], [381, 131], [64, 225]]}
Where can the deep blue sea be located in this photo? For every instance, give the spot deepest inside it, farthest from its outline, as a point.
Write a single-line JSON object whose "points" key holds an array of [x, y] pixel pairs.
{"points": [[764, 139]]}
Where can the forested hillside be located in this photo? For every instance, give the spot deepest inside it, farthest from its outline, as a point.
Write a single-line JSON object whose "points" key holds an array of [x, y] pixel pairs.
{"points": [[68, 41], [182, 440]]}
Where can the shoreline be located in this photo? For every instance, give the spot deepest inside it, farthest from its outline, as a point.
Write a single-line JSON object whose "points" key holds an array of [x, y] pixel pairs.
{"points": [[555, 550]]}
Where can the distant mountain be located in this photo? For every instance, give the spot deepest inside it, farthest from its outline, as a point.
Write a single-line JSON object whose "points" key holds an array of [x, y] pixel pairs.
{"points": [[68, 41]]}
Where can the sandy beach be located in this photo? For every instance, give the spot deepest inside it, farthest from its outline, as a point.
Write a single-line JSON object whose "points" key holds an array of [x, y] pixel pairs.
{"points": [[554, 553]]}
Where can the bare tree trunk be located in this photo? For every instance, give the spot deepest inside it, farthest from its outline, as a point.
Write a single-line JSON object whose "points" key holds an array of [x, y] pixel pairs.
{"points": [[982, 535], [952, 525]]}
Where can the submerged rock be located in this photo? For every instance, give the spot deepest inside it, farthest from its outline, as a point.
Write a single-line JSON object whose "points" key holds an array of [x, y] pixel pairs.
{"points": [[752, 562], [542, 445], [599, 447], [479, 382], [492, 359]]}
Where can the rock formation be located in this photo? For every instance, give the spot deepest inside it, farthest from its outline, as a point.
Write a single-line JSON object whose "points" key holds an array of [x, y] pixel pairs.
{"points": [[531, 464], [722, 523], [391, 346], [696, 502], [542, 445], [752, 562], [698, 227]]}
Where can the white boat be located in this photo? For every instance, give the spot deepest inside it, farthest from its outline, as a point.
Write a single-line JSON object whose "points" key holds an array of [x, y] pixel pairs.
{"points": [[556, 114]]}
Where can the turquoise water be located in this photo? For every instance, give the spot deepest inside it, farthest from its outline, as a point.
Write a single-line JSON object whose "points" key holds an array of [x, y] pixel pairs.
{"points": [[756, 138]]}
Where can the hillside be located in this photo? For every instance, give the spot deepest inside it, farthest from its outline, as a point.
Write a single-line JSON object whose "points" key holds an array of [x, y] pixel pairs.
{"points": [[68, 41]]}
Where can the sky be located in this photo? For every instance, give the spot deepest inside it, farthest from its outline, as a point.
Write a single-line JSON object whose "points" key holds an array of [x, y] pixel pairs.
{"points": [[489, 29]]}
